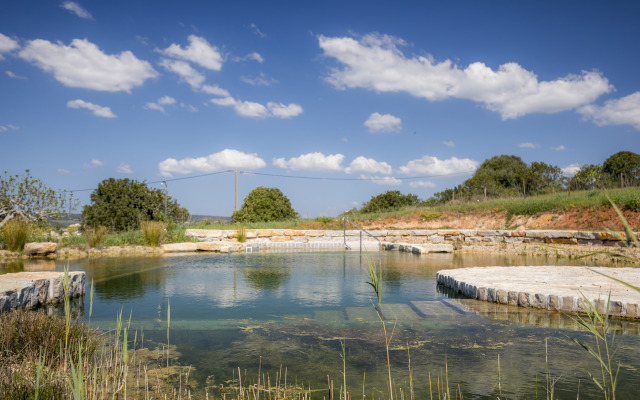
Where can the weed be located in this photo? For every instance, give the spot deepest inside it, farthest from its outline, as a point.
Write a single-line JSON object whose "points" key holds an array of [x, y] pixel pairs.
{"points": [[15, 233], [153, 232], [95, 236], [428, 215], [242, 236]]}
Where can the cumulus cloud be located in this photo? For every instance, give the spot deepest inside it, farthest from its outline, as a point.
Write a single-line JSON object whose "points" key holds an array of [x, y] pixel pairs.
{"points": [[250, 57], [199, 51], [383, 181], [363, 165], [7, 44], [422, 184], [98, 111], [227, 158], [449, 143], [153, 106], [570, 170], [124, 168], [429, 165], [83, 65], [186, 72], [528, 145], [63, 171], [166, 100], [623, 111], [11, 75], [375, 62], [76, 9], [379, 123], [558, 148], [93, 164], [215, 90], [158, 106], [260, 80], [312, 162], [257, 110]]}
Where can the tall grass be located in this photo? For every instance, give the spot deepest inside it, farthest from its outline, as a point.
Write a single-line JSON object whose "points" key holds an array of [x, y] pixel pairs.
{"points": [[96, 235], [15, 233], [153, 232]]}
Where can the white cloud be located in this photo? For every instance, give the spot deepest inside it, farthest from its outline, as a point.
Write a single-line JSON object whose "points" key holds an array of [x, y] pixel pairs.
{"points": [[375, 62], [98, 111], [260, 80], [185, 71], [257, 110], [153, 106], [199, 52], [570, 170], [124, 168], [7, 44], [429, 165], [76, 9], [257, 31], [11, 75], [422, 184], [312, 162], [449, 143], [558, 148], [227, 158], [84, 65], [251, 56], [63, 171], [166, 100], [363, 165], [379, 123], [383, 181], [5, 128], [528, 145], [215, 90], [623, 111], [93, 164]]}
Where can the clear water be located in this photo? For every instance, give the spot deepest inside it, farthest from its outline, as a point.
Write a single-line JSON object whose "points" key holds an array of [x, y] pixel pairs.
{"points": [[290, 310]]}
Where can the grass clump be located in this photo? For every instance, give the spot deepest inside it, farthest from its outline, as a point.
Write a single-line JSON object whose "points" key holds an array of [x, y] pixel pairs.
{"points": [[14, 234], [153, 232], [96, 235], [242, 235]]}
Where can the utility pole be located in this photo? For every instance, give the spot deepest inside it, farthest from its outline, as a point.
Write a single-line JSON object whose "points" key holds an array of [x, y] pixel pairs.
{"points": [[236, 189]]}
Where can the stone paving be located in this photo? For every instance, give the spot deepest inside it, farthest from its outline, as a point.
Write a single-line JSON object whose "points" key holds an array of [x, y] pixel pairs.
{"points": [[558, 288]]}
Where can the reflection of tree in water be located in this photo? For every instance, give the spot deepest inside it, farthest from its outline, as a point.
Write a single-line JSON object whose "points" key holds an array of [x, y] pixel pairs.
{"points": [[115, 279], [266, 278]]}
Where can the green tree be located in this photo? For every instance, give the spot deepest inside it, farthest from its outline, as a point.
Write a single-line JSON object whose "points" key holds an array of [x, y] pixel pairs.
{"points": [[500, 176], [122, 204], [544, 178], [264, 205], [390, 200], [623, 168], [588, 177], [30, 198]]}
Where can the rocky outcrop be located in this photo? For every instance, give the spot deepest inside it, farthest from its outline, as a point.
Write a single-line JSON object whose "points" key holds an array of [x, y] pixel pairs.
{"points": [[25, 290], [39, 249]]}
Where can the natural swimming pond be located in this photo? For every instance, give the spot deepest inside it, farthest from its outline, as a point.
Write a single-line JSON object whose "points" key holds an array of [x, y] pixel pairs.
{"points": [[290, 310]]}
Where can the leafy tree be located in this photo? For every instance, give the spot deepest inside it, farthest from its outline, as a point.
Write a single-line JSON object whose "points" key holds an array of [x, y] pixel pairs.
{"points": [[543, 178], [122, 204], [588, 177], [500, 176], [623, 167], [22, 195], [264, 205], [390, 200]]}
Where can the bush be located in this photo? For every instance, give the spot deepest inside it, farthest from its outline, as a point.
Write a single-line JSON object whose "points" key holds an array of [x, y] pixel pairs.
{"points": [[265, 205], [95, 236], [390, 200], [153, 232], [15, 233]]}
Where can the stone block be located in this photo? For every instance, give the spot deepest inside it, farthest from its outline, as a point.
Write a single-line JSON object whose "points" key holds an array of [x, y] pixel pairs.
{"points": [[493, 239], [554, 302], [438, 248], [209, 246], [590, 242], [536, 234], [512, 298], [614, 243], [482, 293], [488, 233], [513, 239], [533, 240], [523, 299], [611, 236], [559, 234], [250, 234], [508, 233], [270, 232], [448, 232], [40, 249], [293, 232], [501, 296], [585, 235], [473, 239], [436, 238], [281, 239], [399, 232], [632, 310], [377, 233], [561, 240], [423, 232], [179, 247]]}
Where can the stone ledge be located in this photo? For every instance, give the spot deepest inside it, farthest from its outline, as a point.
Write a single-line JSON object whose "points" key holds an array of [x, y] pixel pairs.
{"points": [[24, 290]]}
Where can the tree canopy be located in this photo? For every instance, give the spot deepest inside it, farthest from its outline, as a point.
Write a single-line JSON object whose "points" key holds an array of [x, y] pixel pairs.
{"points": [[390, 200], [623, 167], [30, 198], [265, 205], [122, 204]]}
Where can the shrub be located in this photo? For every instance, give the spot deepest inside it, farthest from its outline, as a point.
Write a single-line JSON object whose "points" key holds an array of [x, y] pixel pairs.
{"points": [[265, 205], [153, 232], [15, 233], [242, 236], [428, 216], [390, 200], [96, 235]]}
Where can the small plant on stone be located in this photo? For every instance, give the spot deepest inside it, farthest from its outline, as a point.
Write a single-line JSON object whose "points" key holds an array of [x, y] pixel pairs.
{"points": [[14, 234], [242, 235]]}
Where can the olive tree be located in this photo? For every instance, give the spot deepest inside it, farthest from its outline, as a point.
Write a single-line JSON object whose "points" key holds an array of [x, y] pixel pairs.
{"points": [[29, 198], [122, 204], [265, 205], [390, 200]]}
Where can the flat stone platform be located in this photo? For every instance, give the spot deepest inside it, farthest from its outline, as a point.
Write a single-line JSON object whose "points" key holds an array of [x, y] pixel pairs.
{"points": [[29, 289], [556, 288]]}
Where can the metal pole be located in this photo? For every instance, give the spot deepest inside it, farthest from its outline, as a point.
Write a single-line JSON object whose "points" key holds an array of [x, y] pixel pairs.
{"points": [[236, 189], [166, 189]]}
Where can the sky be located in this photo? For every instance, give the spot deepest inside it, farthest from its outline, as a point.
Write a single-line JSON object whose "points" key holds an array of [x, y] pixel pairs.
{"points": [[332, 102]]}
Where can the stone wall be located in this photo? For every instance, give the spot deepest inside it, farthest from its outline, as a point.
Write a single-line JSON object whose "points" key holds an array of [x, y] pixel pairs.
{"points": [[417, 236], [30, 289]]}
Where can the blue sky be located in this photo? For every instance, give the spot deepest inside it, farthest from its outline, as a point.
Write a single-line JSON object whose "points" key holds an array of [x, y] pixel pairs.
{"points": [[370, 96]]}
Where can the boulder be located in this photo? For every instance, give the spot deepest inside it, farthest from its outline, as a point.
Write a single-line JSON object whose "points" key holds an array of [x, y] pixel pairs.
{"points": [[40, 249], [179, 247]]}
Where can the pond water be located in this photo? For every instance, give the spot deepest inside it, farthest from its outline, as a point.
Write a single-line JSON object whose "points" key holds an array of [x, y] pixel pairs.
{"points": [[271, 311]]}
